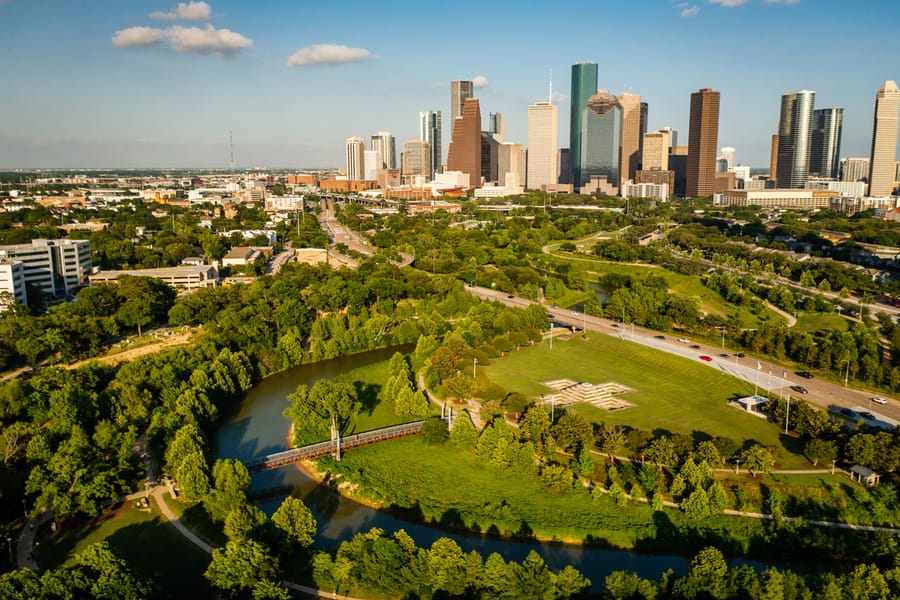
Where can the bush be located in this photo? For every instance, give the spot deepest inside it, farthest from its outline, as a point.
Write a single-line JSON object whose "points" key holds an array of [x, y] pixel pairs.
{"points": [[434, 431]]}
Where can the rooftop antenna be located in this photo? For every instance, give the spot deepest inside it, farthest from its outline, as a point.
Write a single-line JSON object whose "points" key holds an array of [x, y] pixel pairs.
{"points": [[550, 99]]}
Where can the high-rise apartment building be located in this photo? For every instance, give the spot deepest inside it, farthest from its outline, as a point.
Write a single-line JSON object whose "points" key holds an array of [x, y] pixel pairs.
{"points": [[543, 149], [884, 140], [825, 151], [356, 158], [497, 127], [370, 165], [489, 158], [415, 161], [601, 142], [58, 267], [645, 113], [383, 143], [584, 85], [460, 91], [511, 160], [854, 169], [795, 138], [773, 159], [430, 131], [631, 136], [703, 138], [656, 151], [465, 143]]}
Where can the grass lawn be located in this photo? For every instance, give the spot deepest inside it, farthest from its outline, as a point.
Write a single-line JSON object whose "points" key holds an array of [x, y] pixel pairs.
{"points": [[670, 393], [152, 548], [813, 322]]}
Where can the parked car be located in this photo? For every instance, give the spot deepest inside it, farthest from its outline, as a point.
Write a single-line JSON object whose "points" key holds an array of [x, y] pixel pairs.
{"points": [[800, 389], [740, 355], [660, 337], [878, 400], [848, 412], [684, 340], [804, 374], [706, 358], [695, 346], [868, 415]]}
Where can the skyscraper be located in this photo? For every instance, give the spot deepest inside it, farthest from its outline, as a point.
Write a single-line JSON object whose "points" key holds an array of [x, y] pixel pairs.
{"points": [[490, 149], [645, 113], [372, 164], [356, 160], [631, 136], [415, 161], [773, 159], [430, 131], [383, 143], [460, 91], [884, 140], [511, 160], [703, 138], [601, 142], [728, 154], [465, 143], [825, 151], [795, 138], [543, 149], [854, 169], [656, 151], [584, 85], [497, 127]]}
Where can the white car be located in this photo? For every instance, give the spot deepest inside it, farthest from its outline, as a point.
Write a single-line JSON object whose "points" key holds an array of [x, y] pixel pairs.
{"points": [[684, 340], [878, 400]]}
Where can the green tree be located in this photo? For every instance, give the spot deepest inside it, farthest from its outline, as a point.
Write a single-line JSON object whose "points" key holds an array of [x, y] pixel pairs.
{"points": [[232, 482], [758, 459], [572, 431], [296, 522], [240, 566], [613, 438]]}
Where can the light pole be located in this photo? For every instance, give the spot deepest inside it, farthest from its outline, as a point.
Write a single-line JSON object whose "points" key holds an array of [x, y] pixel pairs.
{"points": [[833, 461], [474, 365], [24, 508], [737, 468], [9, 543], [847, 376], [787, 414]]}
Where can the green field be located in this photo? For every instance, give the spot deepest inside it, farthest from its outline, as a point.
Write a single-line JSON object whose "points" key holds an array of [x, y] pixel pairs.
{"points": [[670, 393], [813, 322], [152, 548]]}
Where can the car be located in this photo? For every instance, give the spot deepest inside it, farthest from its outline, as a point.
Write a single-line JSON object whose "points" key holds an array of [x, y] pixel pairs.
{"points": [[740, 355], [551, 315], [868, 415], [724, 355], [660, 337], [706, 358], [614, 324], [574, 313], [878, 400], [800, 389], [804, 374], [684, 340], [848, 412], [695, 346], [510, 296]]}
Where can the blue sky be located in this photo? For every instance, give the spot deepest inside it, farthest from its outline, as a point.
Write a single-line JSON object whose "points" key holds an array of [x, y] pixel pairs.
{"points": [[97, 83]]}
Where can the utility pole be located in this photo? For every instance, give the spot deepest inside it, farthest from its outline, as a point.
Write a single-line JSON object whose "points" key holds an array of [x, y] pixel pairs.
{"points": [[787, 415]]}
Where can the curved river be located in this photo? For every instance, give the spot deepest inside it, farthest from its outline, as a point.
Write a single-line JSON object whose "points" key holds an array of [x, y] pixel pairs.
{"points": [[258, 428]]}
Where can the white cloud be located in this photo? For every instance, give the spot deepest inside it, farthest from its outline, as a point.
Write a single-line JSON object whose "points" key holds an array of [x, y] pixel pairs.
{"points": [[689, 11], [327, 54], [480, 81], [186, 11], [728, 3], [138, 36], [208, 40]]}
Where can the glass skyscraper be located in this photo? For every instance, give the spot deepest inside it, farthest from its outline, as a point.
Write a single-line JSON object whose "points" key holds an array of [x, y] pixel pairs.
{"points": [[584, 85], [795, 138], [601, 142], [825, 153]]}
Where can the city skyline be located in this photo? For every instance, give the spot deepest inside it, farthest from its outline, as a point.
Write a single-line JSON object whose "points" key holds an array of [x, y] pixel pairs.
{"points": [[161, 84]]}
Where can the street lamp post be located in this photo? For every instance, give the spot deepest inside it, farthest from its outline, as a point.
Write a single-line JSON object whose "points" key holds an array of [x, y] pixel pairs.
{"points": [[737, 468], [847, 376], [9, 543], [833, 461], [24, 508], [474, 364]]}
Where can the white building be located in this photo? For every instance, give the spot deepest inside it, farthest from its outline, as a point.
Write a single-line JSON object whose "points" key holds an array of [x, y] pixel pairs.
{"points": [[853, 189], [543, 147], [727, 153], [658, 191], [284, 203], [58, 267], [778, 198], [12, 280], [356, 148], [370, 165], [510, 188]]}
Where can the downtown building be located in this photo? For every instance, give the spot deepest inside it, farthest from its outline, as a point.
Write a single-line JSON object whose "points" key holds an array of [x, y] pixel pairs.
{"points": [[460, 91], [415, 161], [384, 145], [825, 150], [543, 149], [884, 140], [58, 267], [356, 158], [703, 138], [795, 139], [430, 131], [584, 85], [464, 154]]}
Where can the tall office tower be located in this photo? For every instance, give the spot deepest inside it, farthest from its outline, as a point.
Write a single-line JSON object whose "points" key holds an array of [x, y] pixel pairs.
{"points": [[728, 154], [773, 159], [371, 165], [673, 137], [430, 131], [656, 151], [356, 158], [825, 151], [464, 153], [490, 149], [703, 138], [511, 160], [383, 143], [460, 91], [415, 161], [584, 85], [795, 138], [543, 149], [645, 111], [884, 140], [631, 135], [601, 142], [565, 166], [854, 169], [497, 127]]}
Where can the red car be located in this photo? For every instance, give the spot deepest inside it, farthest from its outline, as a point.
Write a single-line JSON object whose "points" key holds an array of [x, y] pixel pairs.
{"points": [[706, 358]]}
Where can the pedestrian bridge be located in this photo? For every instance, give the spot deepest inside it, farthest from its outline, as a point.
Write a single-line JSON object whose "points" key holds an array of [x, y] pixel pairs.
{"points": [[280, 459]]}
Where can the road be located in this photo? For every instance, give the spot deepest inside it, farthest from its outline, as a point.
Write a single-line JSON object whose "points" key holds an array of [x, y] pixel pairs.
{"points": [[768, 376]]}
